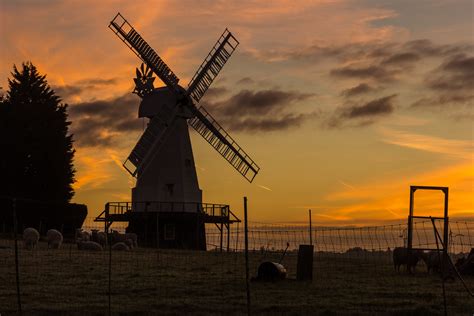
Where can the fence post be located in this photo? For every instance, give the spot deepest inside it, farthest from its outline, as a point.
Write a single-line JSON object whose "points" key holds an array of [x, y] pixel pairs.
{"points": [[247, 279], [17, 268], [110, 278], [310, 230]]}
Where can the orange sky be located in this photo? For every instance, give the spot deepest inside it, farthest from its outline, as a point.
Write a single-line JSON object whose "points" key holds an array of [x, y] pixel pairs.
{"points": [[343, 104]]}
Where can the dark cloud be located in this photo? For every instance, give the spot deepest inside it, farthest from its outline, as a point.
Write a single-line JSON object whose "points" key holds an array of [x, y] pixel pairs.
{"points": [[245, 81], [361, 88], [359, 115], [427, 48], [247, 102], [97, 123], [98, 81], [456, 73], [266, 110], [375, 72], [67, 91], [377, 107], [82, 86], [401, 59], [216, 92], [267, 124], [451, 86]]}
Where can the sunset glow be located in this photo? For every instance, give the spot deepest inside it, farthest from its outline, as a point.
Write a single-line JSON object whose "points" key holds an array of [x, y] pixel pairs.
{"points": [[343, 104]]}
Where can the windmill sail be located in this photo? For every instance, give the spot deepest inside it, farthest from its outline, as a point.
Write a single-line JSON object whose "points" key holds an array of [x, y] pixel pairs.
{"points": [[150, 141], [120, 26], [215, 135], [212, 65]]}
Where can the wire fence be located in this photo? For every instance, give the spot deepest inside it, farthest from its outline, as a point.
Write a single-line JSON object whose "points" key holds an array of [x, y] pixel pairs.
{"points": [[352, 273]]}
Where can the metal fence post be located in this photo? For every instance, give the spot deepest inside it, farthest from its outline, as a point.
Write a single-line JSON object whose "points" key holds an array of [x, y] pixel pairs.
{"points": [[247, 279], [17, 268], [110, 278]]}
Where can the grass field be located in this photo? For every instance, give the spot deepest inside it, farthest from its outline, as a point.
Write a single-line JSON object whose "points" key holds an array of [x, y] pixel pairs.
{"points": [[145, 281]]}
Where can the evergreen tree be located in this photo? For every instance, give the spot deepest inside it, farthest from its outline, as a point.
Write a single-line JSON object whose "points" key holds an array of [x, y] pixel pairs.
{"points": [[36, 159]]}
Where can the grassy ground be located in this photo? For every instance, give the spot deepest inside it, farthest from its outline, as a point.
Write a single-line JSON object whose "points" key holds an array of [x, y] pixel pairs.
{"points": [[145, 281]]}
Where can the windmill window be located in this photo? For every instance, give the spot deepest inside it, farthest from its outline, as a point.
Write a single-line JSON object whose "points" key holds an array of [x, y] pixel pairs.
{"points": [[170, 232]]}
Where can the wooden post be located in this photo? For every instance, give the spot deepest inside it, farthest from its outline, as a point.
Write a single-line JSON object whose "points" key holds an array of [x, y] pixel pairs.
{"points": [[304, 267], [247, 279], [310, 230]]}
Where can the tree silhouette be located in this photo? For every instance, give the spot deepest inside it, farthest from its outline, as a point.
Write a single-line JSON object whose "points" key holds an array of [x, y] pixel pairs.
{"points": [[36, 160]]}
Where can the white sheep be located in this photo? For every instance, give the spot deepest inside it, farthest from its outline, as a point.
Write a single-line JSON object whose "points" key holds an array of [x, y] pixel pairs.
{"points": [[82, 235], [89, 245], [102, 238], [118, 237], [55, 239], [129, 243], [133, 237], [99, 237], [120, 246], [30, 237]]}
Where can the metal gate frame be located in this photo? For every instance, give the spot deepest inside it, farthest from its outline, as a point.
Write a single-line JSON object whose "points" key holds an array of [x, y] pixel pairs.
{"points": [[445, 218]]}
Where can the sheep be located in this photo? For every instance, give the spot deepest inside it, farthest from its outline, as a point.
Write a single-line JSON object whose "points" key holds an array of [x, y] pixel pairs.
{"points": [[30, 238], [99, 237], [117, 237], [55, 239], [404, 256], [129, 243], [120, 246], [133, 237], [89, 245], [432, 260], [82, 235]]}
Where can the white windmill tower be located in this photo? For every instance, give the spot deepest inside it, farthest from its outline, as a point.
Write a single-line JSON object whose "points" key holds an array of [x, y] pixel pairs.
{"points": [[162, 160]]}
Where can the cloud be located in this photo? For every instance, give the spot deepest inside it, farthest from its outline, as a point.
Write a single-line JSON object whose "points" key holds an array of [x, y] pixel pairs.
{"points": [[265, 110], [359, 115], [215, 92], [81, 86], [361, 88], [267, 124], [100, 122], [456, 73], [245, 81], [375, 72], [451, 86], [401, 59], [461, 149], [377, 107]]}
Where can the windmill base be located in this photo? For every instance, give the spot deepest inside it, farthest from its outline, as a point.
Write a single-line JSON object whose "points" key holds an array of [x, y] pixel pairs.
{"points": [[174, 230], [169, 224]]}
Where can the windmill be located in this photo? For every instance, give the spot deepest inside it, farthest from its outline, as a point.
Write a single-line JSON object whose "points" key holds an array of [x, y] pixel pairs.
{"points": [[162, 159]]}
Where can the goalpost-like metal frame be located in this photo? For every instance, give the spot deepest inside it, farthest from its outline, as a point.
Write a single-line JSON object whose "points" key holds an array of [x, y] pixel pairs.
{"points": [[445, 240]]}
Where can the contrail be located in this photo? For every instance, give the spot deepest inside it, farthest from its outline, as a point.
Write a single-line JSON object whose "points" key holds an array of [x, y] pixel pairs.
{"points": [[264, 187], [347, 185]]}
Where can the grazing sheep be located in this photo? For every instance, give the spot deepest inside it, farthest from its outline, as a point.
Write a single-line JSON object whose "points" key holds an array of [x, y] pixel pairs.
{"points": [[129, 243], [402, 256], [133, 237], [99, 237], [89, 245], [118, 237], [464, 265], [55, 239], [432, 260], [120, 246], [30, 238], [82, 235]]}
